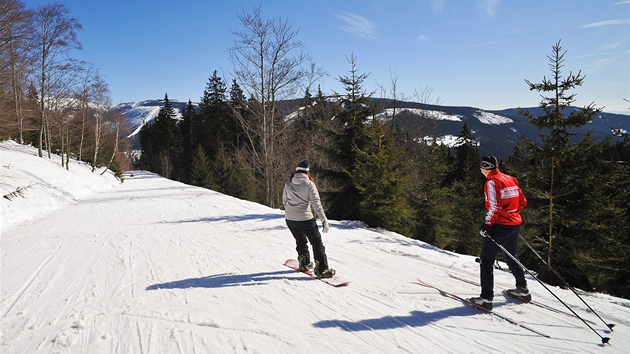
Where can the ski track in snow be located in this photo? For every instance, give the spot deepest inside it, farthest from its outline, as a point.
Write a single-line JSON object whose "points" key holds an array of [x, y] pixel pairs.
{"points": [[155, 266]]}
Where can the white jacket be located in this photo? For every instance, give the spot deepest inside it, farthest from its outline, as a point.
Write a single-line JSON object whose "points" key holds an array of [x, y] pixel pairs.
{"points": [[299, 195]]}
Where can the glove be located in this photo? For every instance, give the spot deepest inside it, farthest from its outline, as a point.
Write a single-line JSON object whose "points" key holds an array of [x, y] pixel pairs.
{"points": [[485, 230], [326, 226]]}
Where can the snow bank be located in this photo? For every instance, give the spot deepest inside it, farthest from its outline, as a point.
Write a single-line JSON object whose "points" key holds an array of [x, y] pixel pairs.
{"points": [[45, 184]]}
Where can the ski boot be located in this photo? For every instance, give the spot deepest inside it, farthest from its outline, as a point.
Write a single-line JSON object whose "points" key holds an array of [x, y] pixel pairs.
{"points": [[481, 302], [519, 293]]}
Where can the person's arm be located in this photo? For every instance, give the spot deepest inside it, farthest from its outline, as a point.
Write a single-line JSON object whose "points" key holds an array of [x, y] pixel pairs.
{"points": [[316, 203], [491, 202]]}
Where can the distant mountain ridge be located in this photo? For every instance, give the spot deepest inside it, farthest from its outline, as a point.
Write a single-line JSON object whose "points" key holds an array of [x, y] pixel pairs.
{"points": [[495, 130]]}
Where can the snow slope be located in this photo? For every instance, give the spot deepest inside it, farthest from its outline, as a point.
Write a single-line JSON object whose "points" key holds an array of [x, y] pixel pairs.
{"points": [[156, 266]]}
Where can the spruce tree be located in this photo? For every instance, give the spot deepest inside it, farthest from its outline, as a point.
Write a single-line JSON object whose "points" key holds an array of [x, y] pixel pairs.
{"points": [[377, 176], [230, 179], [188, 126], [466, 183], [429, 195], [161, 143], [201, 173], [346, 137], [302, 129], [238, 108], [214, 116], [569, 203]]}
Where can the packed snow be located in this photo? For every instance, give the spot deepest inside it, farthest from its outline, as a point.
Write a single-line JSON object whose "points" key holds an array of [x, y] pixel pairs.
{"points": [[92, 265]]}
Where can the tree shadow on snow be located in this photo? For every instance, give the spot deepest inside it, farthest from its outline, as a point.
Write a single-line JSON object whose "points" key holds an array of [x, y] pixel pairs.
{"points": [[227, 280], [414, 319], [236, 218]]}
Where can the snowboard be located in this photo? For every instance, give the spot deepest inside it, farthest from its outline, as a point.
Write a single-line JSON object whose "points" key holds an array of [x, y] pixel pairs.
{"points": [[334, 281]]}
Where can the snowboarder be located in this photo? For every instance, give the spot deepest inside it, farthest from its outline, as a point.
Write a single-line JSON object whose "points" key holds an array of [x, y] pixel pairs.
{"points": [[299, 196], [504, 201]]}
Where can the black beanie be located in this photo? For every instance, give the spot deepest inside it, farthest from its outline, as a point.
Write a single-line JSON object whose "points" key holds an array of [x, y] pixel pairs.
{"points": [[489, 162], [302, 166]]}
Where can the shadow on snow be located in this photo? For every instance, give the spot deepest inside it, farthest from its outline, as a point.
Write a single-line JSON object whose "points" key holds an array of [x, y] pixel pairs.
{"points": [[414, 319], [226, 280]]}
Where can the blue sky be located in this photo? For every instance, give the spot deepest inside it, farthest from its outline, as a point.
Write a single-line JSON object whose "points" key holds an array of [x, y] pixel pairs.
{"points": [[469, 52]]}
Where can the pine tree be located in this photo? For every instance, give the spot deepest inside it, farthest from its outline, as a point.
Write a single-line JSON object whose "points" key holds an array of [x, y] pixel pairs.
{"points": [[232, 180], [188, 126], [161, 143], [596, 216], [347, 136], [302, 129], [167, 131], [430, 197], [612, 273], [378, 178], [238, 108], [201, 173], [563, 182], [214, 116], [466, 157], [466, 183]]}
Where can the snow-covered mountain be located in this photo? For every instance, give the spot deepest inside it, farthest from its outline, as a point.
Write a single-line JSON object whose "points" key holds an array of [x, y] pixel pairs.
{"points": [[90, 265], [139, 113], [495, 131]]}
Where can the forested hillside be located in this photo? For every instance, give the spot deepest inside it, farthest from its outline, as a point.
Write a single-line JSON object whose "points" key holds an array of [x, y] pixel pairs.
{"points": [[383, 165]]}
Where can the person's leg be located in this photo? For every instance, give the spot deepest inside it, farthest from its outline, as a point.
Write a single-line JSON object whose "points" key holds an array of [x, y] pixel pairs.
{"points": [[301, 241], [315, 238], [510, 243], [489, 251]]}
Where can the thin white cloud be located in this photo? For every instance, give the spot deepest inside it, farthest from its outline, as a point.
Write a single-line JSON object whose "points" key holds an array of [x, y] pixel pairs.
{"points": [[604, 23], [490, 6], [422, 38], [358, 26], [480, 45], [622, 2], [437, 6]]}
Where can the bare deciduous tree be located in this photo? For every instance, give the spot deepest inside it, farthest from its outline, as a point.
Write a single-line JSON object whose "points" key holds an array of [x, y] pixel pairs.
{"points": [[269, 65], [54, 34], [14, 65], [102, 104]]}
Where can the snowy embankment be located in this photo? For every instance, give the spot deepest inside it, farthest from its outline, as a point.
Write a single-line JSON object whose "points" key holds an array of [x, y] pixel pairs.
{"points": [[156, 266], [47, 184]]}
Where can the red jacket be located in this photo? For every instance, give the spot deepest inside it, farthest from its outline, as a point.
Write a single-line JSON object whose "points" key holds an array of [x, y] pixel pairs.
{"points": [[504, 199]]}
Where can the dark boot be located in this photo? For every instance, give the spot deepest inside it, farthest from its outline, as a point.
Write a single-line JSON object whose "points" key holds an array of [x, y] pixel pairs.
{"points": [[520, 292], [305, 263], [323, 273]]}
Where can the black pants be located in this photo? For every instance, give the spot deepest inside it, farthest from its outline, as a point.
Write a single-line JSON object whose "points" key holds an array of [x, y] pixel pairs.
{"points": [[506, 236], [307, 231]]}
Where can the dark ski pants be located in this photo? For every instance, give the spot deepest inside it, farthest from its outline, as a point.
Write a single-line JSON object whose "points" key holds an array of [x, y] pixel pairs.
{"points": [[304, 231], [506, 236]]}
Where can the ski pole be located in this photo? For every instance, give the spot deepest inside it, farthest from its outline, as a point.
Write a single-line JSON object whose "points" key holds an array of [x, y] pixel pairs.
{"points": [[609, 325], [605, 340]]}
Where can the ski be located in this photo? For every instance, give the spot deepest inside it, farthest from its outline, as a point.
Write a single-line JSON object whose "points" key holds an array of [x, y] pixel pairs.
{"points": [[334, 281], [533, 302], [505, 318]]}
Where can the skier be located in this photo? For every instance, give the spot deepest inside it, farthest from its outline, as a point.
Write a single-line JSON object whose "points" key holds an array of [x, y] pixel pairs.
{"points": [[504, 201], [299, 195]]}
